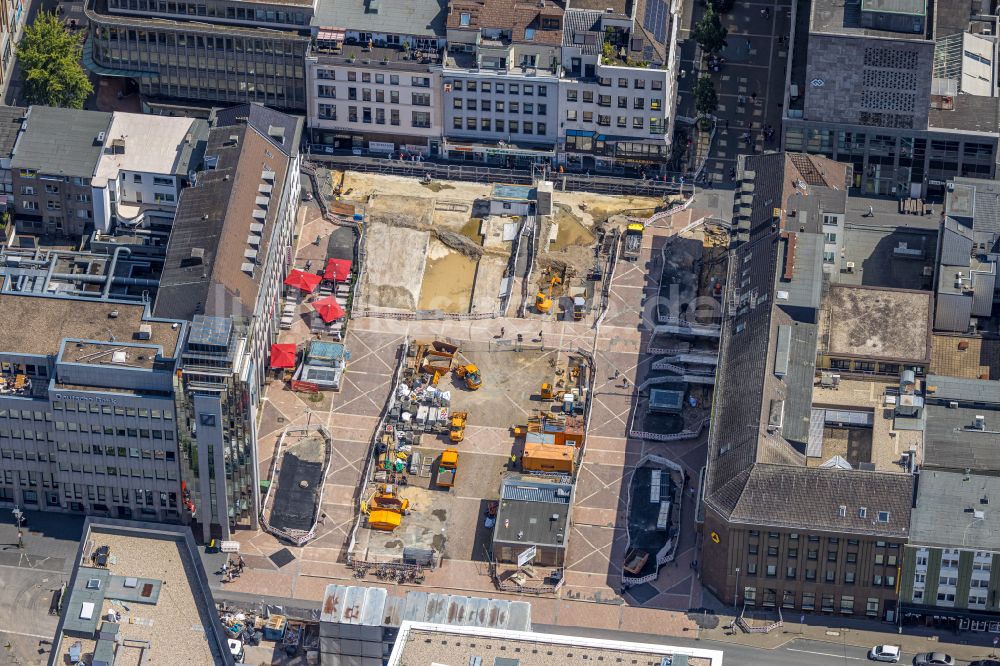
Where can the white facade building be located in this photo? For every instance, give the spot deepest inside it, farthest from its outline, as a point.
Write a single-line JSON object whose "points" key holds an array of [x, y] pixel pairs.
{"points": [[143, 164]]}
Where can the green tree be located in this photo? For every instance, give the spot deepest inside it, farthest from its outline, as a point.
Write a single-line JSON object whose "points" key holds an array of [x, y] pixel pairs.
{"points": [[706, 101], [709, 31], [49, 56]]}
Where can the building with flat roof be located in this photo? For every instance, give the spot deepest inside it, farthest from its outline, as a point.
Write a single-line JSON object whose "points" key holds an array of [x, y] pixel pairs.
{"points": [[963, 417], [136, 589], [966, 279], [144, 163], [373, 76], [764, 505], [53, 162], [359, 625], [87, 419], [947, 568], [74, 171], [868, 331], [881, 86], [215, 52], [534, 513], [422, 643]]}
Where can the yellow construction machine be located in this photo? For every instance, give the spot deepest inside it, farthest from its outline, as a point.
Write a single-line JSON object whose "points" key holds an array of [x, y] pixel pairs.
{"points": [[470, 373], [543, 300], [458, 420], [385, 508]]}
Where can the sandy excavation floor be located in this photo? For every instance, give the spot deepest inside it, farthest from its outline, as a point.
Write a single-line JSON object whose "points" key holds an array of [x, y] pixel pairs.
{"points": [[426, 250]]}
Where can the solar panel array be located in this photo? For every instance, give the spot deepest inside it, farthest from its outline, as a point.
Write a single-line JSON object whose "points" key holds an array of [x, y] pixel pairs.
{"points": [[655, 20]]}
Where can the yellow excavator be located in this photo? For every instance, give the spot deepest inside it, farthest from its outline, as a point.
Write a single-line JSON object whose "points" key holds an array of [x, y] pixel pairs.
{"points": [[543, 300], [470, 373]]}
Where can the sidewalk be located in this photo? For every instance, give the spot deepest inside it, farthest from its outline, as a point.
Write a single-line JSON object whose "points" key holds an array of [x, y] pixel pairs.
{"points": [[965, 646]]}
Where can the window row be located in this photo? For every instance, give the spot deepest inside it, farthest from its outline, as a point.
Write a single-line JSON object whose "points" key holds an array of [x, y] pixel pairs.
{"points": [[527, 108], [769, 598], [499, 125], [527, 89]]}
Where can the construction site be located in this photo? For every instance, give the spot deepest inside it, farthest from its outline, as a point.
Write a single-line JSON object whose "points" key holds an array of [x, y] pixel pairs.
{"points": [[518, 386], [464, 419], [437, 247]]}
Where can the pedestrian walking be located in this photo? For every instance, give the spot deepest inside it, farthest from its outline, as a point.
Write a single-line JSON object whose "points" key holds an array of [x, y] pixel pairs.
{"points": [[740, 99], [753, 98], [502, 331]]}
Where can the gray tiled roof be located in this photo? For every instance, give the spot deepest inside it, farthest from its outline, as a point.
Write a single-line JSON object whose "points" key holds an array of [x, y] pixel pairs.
{"points": [[583, 22], [794, 497], [61, 142], [944, 514]]}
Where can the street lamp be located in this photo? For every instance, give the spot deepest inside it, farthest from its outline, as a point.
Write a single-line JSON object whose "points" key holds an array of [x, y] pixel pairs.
{"points": [[18, 518], [736, 592]]}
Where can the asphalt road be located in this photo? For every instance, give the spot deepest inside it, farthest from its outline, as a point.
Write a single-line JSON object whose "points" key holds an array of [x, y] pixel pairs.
{"points": [[795, 653]]}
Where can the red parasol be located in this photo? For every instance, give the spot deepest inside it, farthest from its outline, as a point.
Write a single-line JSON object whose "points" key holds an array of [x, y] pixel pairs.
{"points": [[337, 269], [329, 309], [282, 356], [300, 279]]}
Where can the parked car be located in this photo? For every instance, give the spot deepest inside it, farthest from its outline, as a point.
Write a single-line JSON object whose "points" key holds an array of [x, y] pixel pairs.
{"points": [[985, 662], [887, 653], [933, 659]]}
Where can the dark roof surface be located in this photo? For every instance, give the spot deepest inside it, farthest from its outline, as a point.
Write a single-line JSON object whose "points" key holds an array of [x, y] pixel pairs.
{"points": [[62, 142], [793, 497], [951, 443], [203, 270], [10, 125], [757, 472], [970, 113], [533, 511], [282, 129]]}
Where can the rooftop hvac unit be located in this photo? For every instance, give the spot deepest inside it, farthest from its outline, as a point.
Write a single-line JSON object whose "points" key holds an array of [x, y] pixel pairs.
{"points": [[980, 422], [952, 404], [928, 271], [145, 332], [850, 266]]}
